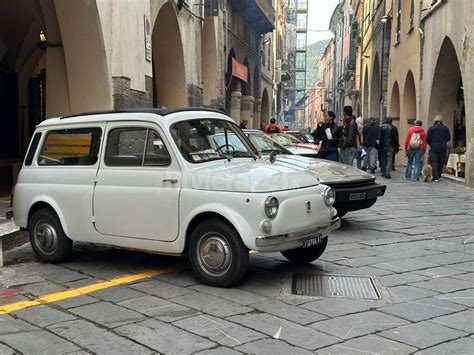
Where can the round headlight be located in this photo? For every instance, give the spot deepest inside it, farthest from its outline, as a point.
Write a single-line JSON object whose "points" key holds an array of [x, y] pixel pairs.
{"points": [[271, 206], [329, 196]]}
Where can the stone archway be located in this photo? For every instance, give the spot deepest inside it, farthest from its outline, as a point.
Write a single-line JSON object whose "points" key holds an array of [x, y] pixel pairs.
{"points": [[375, 90], [394, 111], [209, 63], [47, 69], [447, 91], [408, 109], [168, 60], [365, 105], [265, 118]]}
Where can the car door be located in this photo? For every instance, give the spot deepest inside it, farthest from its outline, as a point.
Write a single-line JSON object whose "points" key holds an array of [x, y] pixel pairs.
{"points": [[138, 184]]}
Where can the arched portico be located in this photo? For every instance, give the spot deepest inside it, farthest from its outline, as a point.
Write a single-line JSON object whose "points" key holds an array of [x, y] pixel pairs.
{"points": [[265, 107], [168, 60], [365, 103], [53, 63], [375, 90], [447, 91], [408, 109]]}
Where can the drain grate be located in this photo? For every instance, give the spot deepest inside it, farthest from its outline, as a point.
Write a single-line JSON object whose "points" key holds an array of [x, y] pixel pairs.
{"points": [[334, 286]]}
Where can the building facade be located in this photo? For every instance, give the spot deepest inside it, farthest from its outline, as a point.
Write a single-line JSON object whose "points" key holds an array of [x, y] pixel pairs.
{"points": [[447, 74], [65, 57], [413, 59]]}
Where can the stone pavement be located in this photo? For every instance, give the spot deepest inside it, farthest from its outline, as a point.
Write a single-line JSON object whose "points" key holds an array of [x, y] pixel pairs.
{"points": [[417, 242]]}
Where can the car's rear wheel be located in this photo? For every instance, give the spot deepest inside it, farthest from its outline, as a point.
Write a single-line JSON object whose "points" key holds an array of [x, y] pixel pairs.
{"points": [[47, 237], [218, 255], [306, 255]]}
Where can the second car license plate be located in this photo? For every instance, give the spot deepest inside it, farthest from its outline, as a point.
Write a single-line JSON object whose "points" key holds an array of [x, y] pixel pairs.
{"points": [[357, 196], [312, 241]]}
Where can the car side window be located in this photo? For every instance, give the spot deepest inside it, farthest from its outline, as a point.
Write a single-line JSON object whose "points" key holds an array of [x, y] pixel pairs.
{"points": [[136, 146], [156, 152], [69, 147]]}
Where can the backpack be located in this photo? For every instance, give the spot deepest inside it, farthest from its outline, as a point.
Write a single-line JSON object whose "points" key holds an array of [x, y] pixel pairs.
{"points": [[415, 141]]}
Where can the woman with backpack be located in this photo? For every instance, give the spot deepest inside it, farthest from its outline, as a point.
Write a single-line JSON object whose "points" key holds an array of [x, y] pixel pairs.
{"points": [[415, 147]]}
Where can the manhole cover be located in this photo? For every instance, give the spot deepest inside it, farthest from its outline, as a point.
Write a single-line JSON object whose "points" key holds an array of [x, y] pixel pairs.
{"points": [[334, 286]]}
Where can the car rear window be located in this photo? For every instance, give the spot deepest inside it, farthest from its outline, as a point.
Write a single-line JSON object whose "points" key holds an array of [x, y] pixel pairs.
{"points": [[32, 150], [79, 146]]}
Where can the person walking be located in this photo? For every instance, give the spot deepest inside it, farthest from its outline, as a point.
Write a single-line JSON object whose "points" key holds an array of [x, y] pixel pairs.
{"points": [[349, 137], [360, 150], [370, 134], [328, 134], [438, 137], [273, 127], [415, 147], [389, 146]]}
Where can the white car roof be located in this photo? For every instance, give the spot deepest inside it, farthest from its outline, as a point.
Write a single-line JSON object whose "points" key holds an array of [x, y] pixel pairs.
{"points": [[165, 116]]}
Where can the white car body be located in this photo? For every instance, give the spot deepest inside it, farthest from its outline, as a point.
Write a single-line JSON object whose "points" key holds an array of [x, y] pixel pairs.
{"points": [[153, 208]]}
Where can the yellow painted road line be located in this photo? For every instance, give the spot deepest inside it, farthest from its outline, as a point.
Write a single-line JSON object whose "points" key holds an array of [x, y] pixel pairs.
{"points": [[75, 292]]}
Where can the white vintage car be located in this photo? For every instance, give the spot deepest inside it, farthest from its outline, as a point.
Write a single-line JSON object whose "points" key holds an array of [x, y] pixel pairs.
{"points": [[156, 180]]}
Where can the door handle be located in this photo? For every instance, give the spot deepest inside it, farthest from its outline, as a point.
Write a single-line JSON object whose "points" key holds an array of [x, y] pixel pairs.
{"points": [[170, 181]]}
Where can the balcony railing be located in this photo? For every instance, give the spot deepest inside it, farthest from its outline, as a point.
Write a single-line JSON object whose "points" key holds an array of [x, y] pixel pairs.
{"points": [[259, 13]]}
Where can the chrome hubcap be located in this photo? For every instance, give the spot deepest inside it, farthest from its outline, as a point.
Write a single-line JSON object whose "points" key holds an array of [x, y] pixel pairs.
{"points": [[45, 236], [214, 254]]}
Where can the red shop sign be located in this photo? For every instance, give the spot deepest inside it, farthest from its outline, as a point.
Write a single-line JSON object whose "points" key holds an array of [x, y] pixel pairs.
{"points": [[239, 70]]}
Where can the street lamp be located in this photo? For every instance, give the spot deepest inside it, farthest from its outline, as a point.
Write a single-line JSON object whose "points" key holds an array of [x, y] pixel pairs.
{"points": [[43, 43]]}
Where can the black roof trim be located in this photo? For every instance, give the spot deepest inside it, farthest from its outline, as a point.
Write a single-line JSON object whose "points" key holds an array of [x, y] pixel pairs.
{"points": [[156, 111]]}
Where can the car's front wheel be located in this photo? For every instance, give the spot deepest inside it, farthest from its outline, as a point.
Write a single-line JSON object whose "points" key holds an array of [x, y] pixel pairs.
{"points": [[218, 255], [306, 255], [47, 237]]}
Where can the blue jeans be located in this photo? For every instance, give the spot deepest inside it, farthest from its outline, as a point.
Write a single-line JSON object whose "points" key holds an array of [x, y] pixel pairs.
{"points": [[417, 156], [347, 156], [370, 160]]}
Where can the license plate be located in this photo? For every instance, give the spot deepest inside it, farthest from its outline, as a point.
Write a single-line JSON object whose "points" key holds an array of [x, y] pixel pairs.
{"points": [[356, 196], [312, 241]]}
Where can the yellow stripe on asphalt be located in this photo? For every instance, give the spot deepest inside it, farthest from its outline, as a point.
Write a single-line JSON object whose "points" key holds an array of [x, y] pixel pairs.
{"points": [[76, 292]]}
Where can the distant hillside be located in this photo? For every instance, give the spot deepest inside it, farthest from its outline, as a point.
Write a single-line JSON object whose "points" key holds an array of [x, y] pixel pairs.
{"points": [[315, 51]]}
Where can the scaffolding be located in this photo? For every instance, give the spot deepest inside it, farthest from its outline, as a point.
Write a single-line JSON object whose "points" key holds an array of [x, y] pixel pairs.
{"points": [[296, 40]]}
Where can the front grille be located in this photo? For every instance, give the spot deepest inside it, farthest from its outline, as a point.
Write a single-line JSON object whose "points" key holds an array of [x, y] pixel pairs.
{"points": [[351, 184]]}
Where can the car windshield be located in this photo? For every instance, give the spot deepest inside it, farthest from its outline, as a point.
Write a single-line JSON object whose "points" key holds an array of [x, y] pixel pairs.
{"points": [[298, 136], [285, 139], [210, 139], [265, 144]]}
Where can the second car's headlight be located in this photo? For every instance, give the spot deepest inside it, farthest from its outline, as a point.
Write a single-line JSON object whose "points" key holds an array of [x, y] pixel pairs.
{"points": [[271, 206], [329, 196]]}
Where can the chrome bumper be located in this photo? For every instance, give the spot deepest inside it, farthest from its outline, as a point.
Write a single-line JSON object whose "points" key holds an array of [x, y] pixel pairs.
{"points": [[294, 240]]}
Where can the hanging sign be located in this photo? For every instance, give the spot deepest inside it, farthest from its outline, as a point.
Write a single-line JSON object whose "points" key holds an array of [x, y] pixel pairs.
{"points": [[147, 38], [239, 70]]}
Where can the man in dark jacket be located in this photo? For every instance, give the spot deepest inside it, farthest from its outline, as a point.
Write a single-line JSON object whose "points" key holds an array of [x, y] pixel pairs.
{"points": [[370, 134], [328, 134], [389, 146], [349, 137], [438, 137]]}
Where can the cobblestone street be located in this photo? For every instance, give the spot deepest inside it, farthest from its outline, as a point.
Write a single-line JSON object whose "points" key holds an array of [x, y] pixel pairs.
{"points": [[417, 242]]}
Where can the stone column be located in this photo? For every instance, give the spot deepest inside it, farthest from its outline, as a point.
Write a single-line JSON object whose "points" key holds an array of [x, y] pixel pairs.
{"points": [[257, 113], [235, 106], [246, 112]]}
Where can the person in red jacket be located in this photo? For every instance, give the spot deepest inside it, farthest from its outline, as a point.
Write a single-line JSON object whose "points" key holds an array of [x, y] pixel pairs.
{"points": [[415, 147], [273, 127]]}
